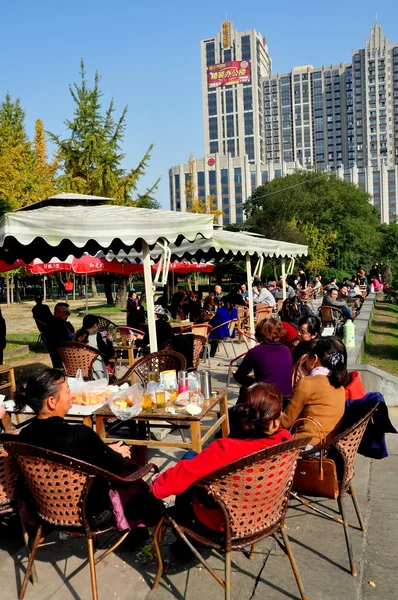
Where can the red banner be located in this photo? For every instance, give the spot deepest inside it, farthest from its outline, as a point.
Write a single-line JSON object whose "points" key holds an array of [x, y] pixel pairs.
{"points": [[228, 73]]}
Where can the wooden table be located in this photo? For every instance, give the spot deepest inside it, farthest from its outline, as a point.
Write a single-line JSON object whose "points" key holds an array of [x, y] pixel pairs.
{"points": [[200, 433], [130, 352]]}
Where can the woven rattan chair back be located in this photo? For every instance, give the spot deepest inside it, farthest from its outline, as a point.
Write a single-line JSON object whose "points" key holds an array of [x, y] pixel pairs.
{"points": [[58, 490], [165, 360], [8, 481], [255, 490], [347, 444], [104, 323], [199, 343], [76, 356], [202, 329]]}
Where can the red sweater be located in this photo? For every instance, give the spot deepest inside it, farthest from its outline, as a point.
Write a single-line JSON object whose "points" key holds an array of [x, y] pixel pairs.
{"points": [[354, 390], [179, 478]]}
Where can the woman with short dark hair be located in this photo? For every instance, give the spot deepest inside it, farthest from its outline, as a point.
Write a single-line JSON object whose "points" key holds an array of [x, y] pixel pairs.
{"points": [[271, 360], [47, 394], [257, 420]]}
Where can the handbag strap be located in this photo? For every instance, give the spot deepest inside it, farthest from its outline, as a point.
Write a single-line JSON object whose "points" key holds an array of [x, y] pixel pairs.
{"points": [[322, 439]]}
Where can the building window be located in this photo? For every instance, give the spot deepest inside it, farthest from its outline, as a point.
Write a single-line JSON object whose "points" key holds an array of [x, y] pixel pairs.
{"points": [[210, 54], [213, 147], [249, 147], [231, 147]]}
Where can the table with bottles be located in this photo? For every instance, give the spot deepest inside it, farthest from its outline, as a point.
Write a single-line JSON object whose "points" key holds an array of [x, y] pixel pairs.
{"points": [[201, 428]]}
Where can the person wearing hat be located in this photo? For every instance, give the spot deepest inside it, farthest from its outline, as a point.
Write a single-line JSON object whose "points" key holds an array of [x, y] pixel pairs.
{"points": [[164, 331]]}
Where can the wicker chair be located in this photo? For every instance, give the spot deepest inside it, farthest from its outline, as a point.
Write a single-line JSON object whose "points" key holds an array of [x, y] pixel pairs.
{"points": [[247, 338], [59, 486], [164, 360], [8, 504], [42, 327], [104, 323], [124, 330], [345, 445], [253, 503], [76, 356], [331, 316]]}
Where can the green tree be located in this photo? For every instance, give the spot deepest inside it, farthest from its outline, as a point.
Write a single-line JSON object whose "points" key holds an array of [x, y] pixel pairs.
{"points": [[25, 174], [332, 206], [91, 156], [16, 156]]}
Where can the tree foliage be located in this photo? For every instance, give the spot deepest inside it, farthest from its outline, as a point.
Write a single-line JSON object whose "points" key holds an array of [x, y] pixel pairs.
{"points": [[196, 204], [91, 156], [332, 216], [25, 174]]}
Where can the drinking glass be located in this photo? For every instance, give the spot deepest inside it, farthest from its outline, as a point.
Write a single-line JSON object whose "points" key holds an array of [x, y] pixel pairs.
{"points": [[146, 402], [153, 376], [161, 400]]}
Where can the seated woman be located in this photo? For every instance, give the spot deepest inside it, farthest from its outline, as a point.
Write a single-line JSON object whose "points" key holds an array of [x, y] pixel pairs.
{"points": [[309, 328], [270, 361], [48, 395], [293, 310], [164, 331], [259, 427], [321, 394], [210, 303], [90, 335], [225, 312]]}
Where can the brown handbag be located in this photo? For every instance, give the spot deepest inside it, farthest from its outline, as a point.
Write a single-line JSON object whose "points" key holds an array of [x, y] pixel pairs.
{"points": [[316, 475]]}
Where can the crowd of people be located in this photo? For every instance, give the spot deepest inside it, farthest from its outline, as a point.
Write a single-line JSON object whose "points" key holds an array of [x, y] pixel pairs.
{"points": [[285, 377]]}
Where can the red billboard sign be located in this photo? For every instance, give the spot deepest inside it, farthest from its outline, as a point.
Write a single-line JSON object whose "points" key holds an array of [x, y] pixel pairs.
{"points": [[228, 73]]}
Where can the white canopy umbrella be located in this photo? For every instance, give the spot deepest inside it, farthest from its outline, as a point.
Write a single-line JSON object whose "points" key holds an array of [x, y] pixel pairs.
{"points": [[60, 231], [231, 244]]}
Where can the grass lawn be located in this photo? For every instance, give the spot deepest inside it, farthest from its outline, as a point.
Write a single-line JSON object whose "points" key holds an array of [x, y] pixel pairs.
{"points": [[99, 309], [382, 343]]}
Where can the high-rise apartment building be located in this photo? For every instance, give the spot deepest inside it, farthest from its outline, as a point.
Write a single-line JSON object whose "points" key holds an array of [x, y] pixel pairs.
{"points": [[233, 65], [344, 114], [375, 89], [308, 116], [258, 126]]}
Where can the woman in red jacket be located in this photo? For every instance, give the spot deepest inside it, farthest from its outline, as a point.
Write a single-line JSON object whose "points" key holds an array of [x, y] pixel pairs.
{"points": [[258, 418]]}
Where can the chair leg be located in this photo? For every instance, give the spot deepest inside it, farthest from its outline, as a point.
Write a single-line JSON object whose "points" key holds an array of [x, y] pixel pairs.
{"points": [[25, 536], [32, 554], [227, 559], [90, 547], [356, 506], [353, 565], [157, 540], [182, 434], [252, 550], [233, 347], [225, 347], [309, 505], [290, 554]]}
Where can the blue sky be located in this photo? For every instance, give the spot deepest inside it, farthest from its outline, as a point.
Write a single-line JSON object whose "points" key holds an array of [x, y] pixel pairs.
{"points": [[148, 56]]}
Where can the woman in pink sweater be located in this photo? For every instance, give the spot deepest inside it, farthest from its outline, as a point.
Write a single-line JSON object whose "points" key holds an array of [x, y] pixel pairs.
{"points": [[258, 417]]}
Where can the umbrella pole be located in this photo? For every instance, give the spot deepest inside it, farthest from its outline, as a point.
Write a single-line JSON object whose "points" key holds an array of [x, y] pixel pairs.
{"points": [[85, 280], [283, 279], [249, 288], [150, 307], [74, 287]]}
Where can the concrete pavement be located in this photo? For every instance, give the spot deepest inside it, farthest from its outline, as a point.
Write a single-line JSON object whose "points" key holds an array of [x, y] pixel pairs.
{"points": [[318, 544]]}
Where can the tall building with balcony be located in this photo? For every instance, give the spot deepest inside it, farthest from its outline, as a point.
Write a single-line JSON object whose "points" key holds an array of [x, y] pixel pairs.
{"points": [[375, 89], [308, 116], [233, 64]]}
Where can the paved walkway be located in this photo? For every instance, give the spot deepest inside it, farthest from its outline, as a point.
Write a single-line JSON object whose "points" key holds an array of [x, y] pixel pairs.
{"points": [[318, 544]]}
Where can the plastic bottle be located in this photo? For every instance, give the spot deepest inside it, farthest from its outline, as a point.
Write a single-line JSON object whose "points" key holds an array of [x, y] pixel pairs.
{"points": [[349, 334]]}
